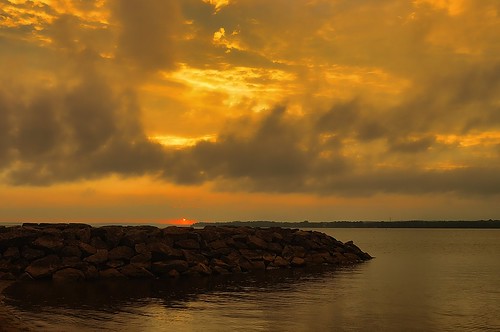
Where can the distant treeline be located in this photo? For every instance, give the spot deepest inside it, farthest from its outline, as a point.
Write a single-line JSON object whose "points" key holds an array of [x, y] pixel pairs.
{"points": [[363, 224]]}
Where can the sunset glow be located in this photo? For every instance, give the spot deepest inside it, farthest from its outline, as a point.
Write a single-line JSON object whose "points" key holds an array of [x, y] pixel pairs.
{"points": [[179, 222], [234, 110]]}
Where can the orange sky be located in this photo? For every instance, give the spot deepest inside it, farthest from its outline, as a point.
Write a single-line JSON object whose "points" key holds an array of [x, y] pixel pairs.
{"points": [[153, 110]]}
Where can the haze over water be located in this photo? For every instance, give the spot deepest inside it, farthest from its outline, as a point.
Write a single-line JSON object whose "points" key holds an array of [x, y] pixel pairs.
{"points": [[421, 280]]}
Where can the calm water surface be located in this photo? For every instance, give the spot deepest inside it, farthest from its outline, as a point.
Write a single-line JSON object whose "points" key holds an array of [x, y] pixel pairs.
{"points": [[421, 280]]}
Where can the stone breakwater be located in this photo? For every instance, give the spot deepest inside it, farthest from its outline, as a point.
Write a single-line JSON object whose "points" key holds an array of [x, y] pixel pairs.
{"points": [[82, 252]]}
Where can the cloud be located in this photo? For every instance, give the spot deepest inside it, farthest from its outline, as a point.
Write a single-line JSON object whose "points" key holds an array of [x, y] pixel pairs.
{"points": [[70, 133], [148, 32], [283, 155], [320, 98]]}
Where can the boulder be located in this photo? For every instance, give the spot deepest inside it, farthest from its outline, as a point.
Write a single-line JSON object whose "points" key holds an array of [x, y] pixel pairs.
{"points": [[293, 251], [135, 271], [194, 256], [111, 274], [298, 261], [71, 251], [188, 244], [177, 232], [86, 249], [115, 263], [164, 267], [83, 234], [351, 257], [252, 254], [264, 235], [280, 262], [17, 236], [141, 260], [199, 269], [275, 247], [121, 253], [268, 257], [318, 258], [247, 265], [142, 248], [217, 244], [89, 270], [70, 261], [99, 257], [112, 235], [12, 253], [98, 243], [162, 251], [257, 243], [68, 274], [219, 263], [50, 243], [44, 267]]}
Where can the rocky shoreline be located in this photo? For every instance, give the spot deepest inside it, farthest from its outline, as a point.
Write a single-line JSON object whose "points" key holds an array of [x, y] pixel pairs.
{"points": [[82, 252]]}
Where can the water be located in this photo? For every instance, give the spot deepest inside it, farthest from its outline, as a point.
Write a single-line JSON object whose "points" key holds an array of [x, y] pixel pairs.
{"points": [[421, 280]]}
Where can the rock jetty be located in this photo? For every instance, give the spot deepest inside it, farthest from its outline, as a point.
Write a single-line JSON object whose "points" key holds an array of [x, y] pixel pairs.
{"points": [[82, 252]]}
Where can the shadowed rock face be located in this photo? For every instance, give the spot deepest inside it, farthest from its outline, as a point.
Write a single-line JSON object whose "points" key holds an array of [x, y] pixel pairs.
{"points": [[81, 252]]}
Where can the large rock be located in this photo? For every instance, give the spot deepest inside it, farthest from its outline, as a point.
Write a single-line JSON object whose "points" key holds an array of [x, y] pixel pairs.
{"points": [[162, 251], [12, 253], [217, 244], [121, 253], [257, 243], [142, 248], [135, 271], [298, 261], [98, 243], [31, 253], [101, 256], [142, 260], [199, 269], [252, 254], [115, 263], [248, 265], [162, 268], [68, 274], [87, 249], [280, 262], [49, 243], [111, 274], [71, 251], [112, 235], [188, 244], [177, 232], [17, 236], [44, 267]]}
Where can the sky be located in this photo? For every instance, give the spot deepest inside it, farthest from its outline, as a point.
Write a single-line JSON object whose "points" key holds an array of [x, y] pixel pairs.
{"points": [[219, 110]]}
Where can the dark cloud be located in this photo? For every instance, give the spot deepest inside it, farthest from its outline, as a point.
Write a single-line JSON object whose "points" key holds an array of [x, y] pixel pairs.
{"points": [[463, 181], [85, 122], [276, 157], [71, 133], [271, 153], [408, 145], [148, 32], [5, 130]]}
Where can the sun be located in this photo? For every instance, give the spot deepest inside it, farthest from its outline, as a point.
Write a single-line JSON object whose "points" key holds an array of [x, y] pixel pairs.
{"points": [[180, 222]]}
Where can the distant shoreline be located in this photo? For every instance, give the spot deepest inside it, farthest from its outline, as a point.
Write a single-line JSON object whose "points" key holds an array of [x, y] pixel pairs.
{"points": [[459, 224]]}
